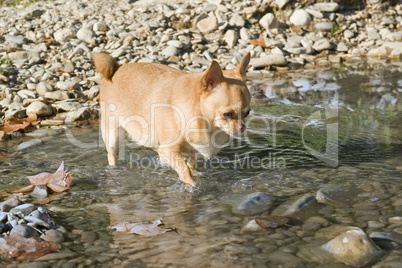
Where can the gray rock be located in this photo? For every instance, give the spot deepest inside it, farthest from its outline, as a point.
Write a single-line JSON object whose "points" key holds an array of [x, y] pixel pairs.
{"points": [[9, 204], [57, 95], [15, 39], [273, 59], [338, 196], [237, 20], [231, 38], [68, 106], [269, 22], [39, 108], [67, 85], [15, 110], [20, 211], [29, 56], [315, 13], [26, 94], [208, 24], [53, 236], [82, 114], [294, 205], [300, 17], [249, 204], [40, 192], [386, 236], [322, 44], [24, 231], [37, 218], [209, 7], [281, 3], [342, 47], [327, 7], [245, 34], [28, 144], [175, 43], [44, 87], [323, 26], [64, 35]]}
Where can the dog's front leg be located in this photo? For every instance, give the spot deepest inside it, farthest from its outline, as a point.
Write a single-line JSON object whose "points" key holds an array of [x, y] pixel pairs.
{"points": [[174, 159]]}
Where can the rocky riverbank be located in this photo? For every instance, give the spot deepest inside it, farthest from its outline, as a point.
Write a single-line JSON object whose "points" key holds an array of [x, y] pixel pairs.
{"points": [[45, 48]]}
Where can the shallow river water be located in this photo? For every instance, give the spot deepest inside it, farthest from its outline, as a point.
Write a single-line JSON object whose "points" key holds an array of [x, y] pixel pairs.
{"points": [[338, 129]]}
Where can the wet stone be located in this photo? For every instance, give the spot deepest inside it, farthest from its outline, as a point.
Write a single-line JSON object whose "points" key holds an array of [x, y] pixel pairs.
{"points": [[9, 204], [249, 204], [40, 191], [24, 231], [294, 205]]}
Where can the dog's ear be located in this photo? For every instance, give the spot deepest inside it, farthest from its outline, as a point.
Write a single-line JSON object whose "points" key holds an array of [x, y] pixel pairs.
{"points": [[212, 77], [241, 69]]}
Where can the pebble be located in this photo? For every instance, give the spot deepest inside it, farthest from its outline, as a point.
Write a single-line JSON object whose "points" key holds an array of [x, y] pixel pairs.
{"points": [[300, 17], [322, 44], [269, 21], [40, 109], [24, 231], [29, 144], [327, 7], [273, 59], [249, 204]]}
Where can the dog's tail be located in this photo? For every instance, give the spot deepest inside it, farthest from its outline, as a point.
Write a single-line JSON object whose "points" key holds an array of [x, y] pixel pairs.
{"points": [[105, 64]]}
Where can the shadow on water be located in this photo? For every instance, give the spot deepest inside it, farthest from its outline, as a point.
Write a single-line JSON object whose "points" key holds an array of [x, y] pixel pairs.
{"points": [[348, 116]]}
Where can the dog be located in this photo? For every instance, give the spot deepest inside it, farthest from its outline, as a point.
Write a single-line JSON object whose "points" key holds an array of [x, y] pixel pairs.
{"points": [[181, 115]]}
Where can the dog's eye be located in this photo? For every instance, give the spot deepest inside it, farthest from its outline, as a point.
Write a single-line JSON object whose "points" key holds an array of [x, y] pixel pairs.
{"points": [[228, 115]]}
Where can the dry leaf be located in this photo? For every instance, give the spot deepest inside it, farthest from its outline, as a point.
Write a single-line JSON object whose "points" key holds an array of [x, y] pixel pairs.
{"points": [[58, 182], [16, 124], [49, 41], [23, 248], [271, 221], [258, 42], [296, 29], [142, 228]]}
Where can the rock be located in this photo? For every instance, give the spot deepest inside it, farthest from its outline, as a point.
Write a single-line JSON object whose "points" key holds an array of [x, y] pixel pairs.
{"points": [[396, 53], [57, 95], [397, 238], [3, 136], [86, 35], [237, 20], [245, 34], [40, 192], [82, 114], [294, 205], [28, 144], [353, 247], [9, 204], [269, 22], [315, 13], [68, 106], [380, 52], [300, 17], [323, 26], [64, 35], [24, 231], [322, 44], [208, 24], [327, 7], [20, 211], [88, 237], [15, 39], [395, 220], [170, 51], [284, 259], [231, 38], [53, 236], [15, 110], [36, 218], [29, 56], [251, 226], [67, 85], [44, 87], [26, 94], [342, 47], [100, 26], [39, 108], [273, 59], [348, 34], [249, 204], [338, 196], [281, 3], [93, 92]]}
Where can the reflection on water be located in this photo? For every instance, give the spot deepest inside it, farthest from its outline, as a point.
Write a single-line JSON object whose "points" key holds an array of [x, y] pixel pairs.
{"points": [[289, 130]]}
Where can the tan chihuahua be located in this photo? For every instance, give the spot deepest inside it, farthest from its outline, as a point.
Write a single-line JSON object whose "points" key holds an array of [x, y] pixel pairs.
{"points": [[180, 115]]}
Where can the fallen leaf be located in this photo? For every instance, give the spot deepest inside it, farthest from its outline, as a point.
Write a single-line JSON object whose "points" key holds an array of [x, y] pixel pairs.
{"points": [[16, 124], [48, 41], [143, 228], [23, 248], [271, 221], [58, 182], [258, 42], [296, 29], [336, 29]]}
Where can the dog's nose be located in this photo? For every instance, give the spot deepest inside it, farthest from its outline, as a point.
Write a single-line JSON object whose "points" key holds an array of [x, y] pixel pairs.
{"points": [[241, 127]]}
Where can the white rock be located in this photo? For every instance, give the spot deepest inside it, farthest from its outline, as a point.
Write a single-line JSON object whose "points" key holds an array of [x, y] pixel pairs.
{"points": [[170, 51], [323, 26], [281, 3], [353, 247], [251, 226], [300, 18], [28, 144], [272, 59], [208, 24], [269, 21], [67, 85], [86, 35], [245, 34], [322, 44], [231, 38], [378, 52], [26, 94], [64, 35], [39, 108], [315, 13], [100, 26], [348, 34], [342, 47], [396, 53], [327, 7], [237, 20], [43, 87]]}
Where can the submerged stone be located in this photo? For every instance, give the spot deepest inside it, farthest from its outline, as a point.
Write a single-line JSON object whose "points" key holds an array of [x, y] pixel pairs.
{"points": [[249, 204]]}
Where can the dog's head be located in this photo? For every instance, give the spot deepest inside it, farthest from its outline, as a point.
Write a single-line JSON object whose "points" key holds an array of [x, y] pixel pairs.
{"points": [[225, 98]]}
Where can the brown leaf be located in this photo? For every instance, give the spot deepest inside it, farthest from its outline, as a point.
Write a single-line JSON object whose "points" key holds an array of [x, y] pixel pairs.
{"points": [[258, 42], [23, 248], [26, 189], [142, 228], [16, 124], [48, 41], [271, 221], [296, 29]]}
